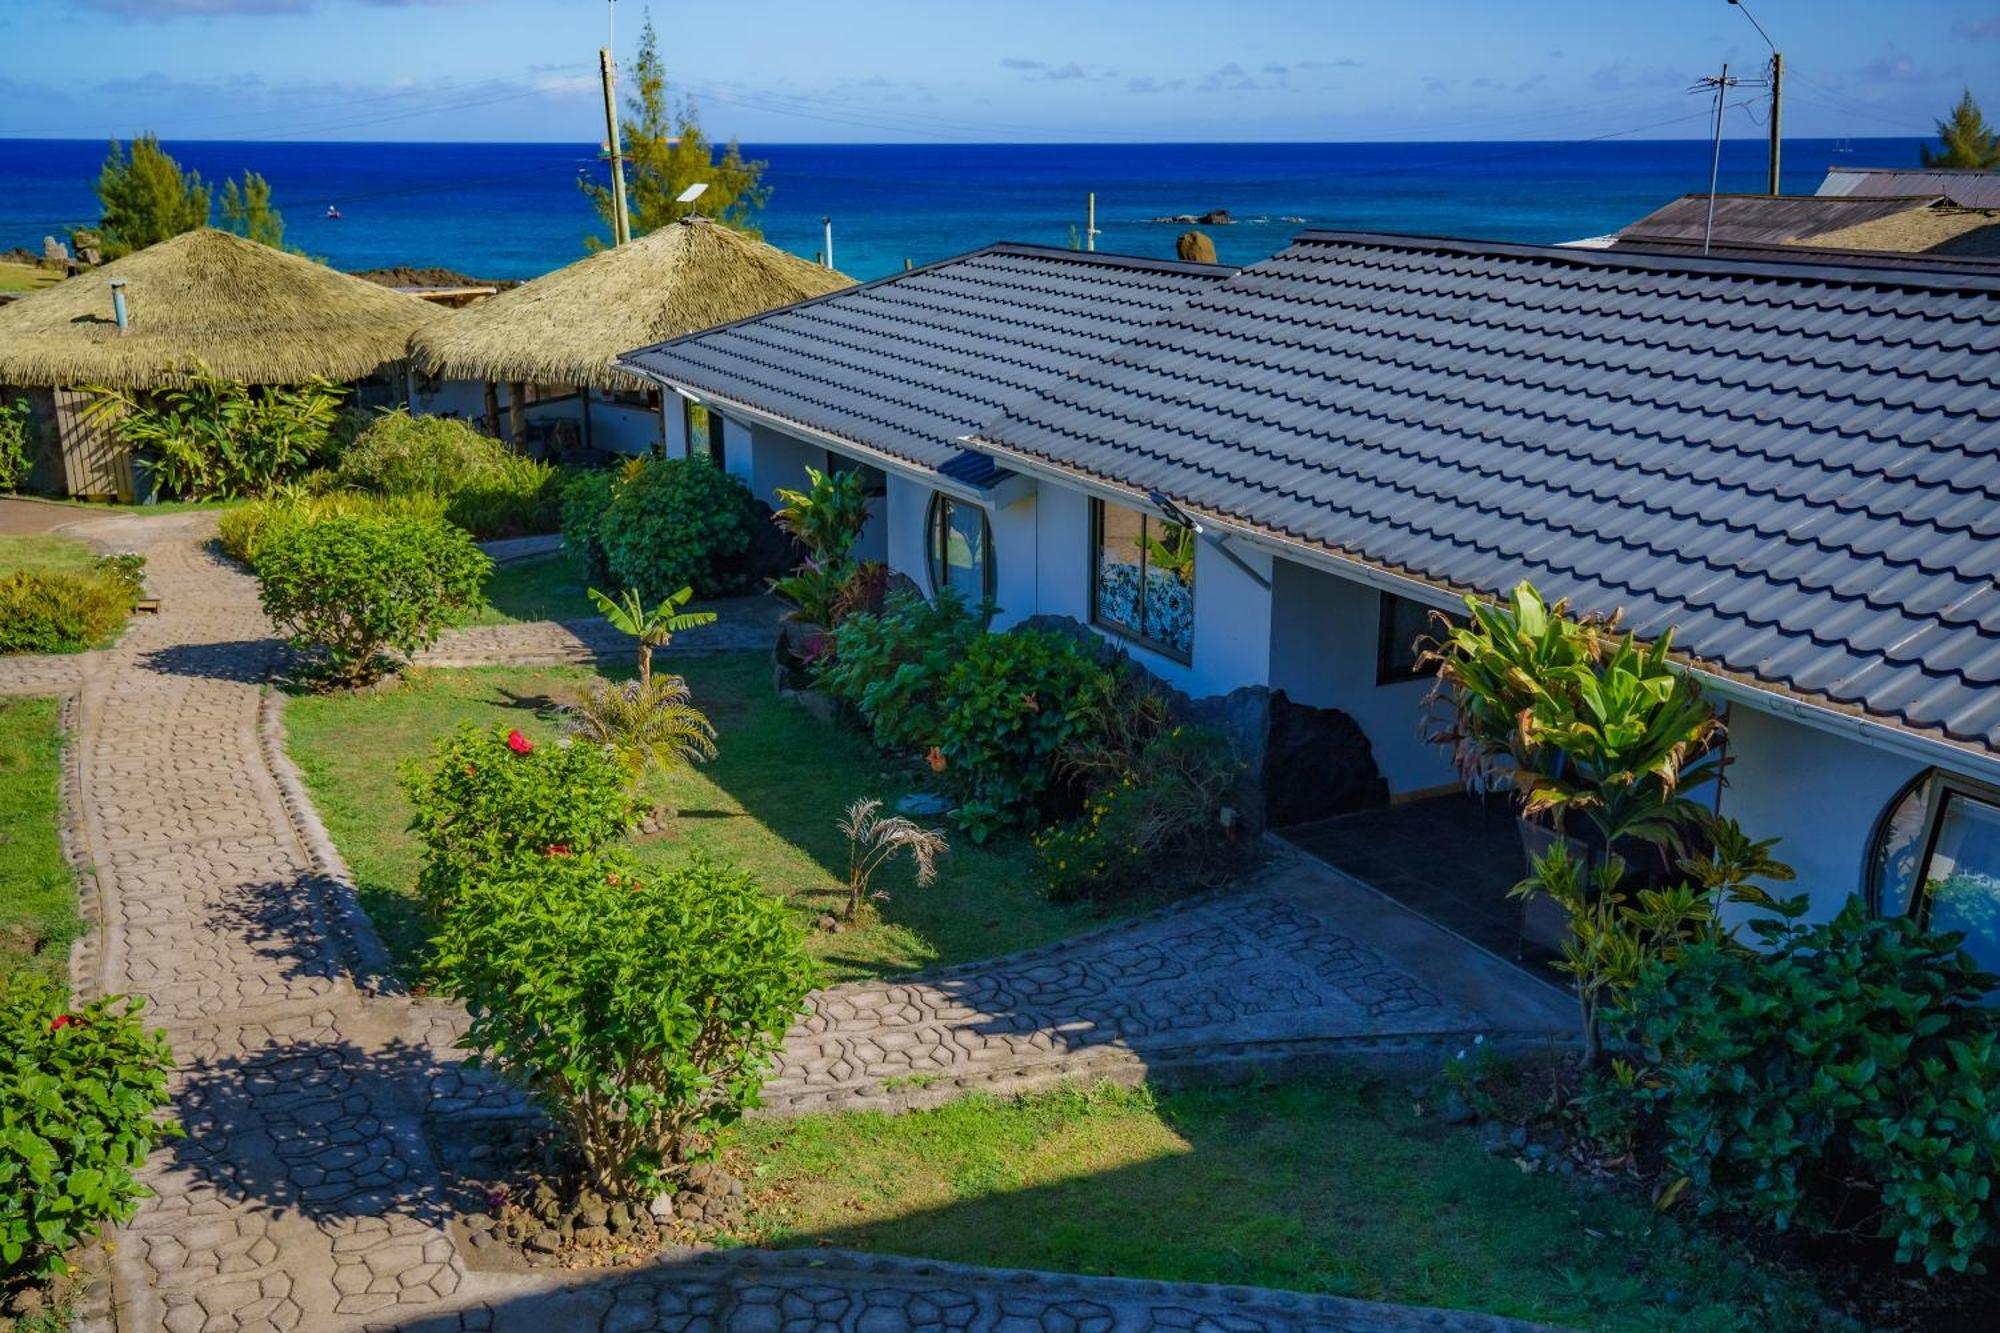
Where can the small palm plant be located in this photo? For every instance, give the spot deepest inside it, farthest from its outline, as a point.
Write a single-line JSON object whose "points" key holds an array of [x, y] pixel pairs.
{"points": [[650, 723], [653, 628], [873, 837]]}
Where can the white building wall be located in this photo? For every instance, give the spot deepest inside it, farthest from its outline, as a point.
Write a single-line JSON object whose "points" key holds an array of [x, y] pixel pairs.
{"points": [[902, 527], [464, 399], [1820, 794], [772, 460], [622, 428], [1016, 547], [1324, 632]]}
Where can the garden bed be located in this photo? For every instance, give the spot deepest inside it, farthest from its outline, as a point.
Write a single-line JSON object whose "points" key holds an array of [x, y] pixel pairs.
{"points": [[769, 803], [38, 916]]}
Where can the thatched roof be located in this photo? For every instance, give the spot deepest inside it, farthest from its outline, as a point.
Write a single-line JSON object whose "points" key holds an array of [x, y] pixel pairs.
{"points": [[245, 310], [566, 327]]}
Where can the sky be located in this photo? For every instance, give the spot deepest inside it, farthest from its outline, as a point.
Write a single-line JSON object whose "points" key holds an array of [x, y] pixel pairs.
{"points": [[877, 71]]}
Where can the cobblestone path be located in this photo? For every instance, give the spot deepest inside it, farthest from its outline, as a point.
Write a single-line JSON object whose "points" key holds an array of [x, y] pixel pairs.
{"points": [[305, 1195]]}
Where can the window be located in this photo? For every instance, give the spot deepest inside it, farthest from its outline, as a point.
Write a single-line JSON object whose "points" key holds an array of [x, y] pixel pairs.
{"points": [[1937, 858], [1401, 625], [961, 548], [694, 417], [1142, 579]]}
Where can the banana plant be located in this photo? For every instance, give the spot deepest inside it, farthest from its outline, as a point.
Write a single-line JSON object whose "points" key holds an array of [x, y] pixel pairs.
{"points": [[653, 628]]}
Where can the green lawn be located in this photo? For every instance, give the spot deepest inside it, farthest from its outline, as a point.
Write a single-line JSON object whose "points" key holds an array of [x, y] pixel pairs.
{"points": [[27, 277], [1307, 1186], [43, 551], [38, 916], [541, 588], [769, 803]]}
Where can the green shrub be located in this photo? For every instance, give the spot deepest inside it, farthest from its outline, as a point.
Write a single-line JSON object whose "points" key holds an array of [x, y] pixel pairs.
{"points": [[1158, 816], [828, 517], [585, 501], [487, 795], [79, 1095], [68, 611], [679, 523], [640, 1007], [346, 588], [246, 530], [891, 668], [1011, 704], [211, 437], [485, 487], [17, 440], [1848, 1079]]}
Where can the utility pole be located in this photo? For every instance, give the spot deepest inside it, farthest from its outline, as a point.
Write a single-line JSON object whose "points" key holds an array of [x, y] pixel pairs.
{"points": [[1777, 110], [1777, 84], [621, 222], [827, 224], [1090, 221]]}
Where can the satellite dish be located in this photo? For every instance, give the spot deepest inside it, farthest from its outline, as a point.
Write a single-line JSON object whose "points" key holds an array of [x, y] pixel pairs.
{"points": [[691, 193]]}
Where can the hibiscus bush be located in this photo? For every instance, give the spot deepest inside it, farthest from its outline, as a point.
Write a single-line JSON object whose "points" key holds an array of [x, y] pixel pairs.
{"points": [[80, 1095], [488, 795], [345, 589], [640, 1007], [1012, 703], [1847, 1079], [890, 667]]}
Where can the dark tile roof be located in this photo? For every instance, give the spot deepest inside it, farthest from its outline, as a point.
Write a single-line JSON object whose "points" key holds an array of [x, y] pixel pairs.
{"points": [[910, 363], [1796, 467]]}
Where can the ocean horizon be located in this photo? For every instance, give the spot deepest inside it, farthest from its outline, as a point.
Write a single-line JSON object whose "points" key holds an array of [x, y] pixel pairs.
{"points": [[512, 211]]}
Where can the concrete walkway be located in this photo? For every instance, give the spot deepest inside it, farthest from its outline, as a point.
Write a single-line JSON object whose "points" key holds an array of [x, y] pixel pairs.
{"points": [[306, 1195]]}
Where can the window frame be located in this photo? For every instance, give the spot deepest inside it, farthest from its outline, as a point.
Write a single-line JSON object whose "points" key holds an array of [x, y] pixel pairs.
{"points": [[936, 517], [1097, 510], [1938, 787]]}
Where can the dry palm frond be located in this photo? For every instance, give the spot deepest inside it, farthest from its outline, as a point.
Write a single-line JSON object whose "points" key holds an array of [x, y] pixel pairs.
{"points": [[872, 838], [249, 312], [651, 724], [567, 327]]}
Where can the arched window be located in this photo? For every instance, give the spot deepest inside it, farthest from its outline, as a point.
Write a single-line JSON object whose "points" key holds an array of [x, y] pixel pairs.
{"points": [[1936, 857], [960, 544]]}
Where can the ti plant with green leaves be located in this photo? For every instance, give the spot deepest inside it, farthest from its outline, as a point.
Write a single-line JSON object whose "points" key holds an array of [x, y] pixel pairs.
{"points": [[654, 628], [828, 517]]}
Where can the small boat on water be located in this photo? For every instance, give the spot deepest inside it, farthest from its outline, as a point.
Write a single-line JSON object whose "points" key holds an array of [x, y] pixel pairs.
{"points": [[332, 213]]}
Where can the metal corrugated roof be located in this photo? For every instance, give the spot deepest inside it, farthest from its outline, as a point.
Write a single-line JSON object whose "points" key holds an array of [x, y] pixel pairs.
{"points": [[1762, 219], [909, 364], [1794, 466], [1964, 186]]}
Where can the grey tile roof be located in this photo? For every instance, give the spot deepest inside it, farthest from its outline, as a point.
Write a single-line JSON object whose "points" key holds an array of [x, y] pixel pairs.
{"points": [[1794, 466], [909, 363]]}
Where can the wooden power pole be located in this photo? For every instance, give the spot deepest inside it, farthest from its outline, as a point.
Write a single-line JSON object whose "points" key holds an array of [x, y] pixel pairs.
{"points": [[621, 223], [1777, 110]]}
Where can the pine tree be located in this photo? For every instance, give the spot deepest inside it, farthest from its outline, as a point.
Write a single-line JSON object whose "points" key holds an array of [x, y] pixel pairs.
{"points": [[247, 211], [146, 197], [666, 151], [1967, 140]]}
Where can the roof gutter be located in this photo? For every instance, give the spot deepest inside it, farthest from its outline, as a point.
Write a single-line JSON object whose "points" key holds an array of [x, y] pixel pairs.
{"points": [[886, 461], [1913, 745]]}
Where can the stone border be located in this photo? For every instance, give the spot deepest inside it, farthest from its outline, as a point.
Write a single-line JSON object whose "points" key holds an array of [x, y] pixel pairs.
{"points": [[367, 957]]}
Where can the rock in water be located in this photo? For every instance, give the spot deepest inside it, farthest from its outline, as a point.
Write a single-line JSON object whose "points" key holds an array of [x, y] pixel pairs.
{"points": [[1195, 248]]}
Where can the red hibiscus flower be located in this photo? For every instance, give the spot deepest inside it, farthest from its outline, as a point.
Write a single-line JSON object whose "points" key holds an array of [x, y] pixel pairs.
{"points": [[65, 1021], [558, 849], [518, 743], [935, 759]]}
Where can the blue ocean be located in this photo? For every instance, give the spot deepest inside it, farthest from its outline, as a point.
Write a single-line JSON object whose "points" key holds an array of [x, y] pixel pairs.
{"points": [[497, 210]]}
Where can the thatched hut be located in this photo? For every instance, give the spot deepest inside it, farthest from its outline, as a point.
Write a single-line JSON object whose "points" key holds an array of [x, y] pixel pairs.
{"points": [[243, 309], [545, 349]]}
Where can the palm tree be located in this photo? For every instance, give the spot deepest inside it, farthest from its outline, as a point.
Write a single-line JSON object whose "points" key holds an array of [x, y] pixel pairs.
{"points": [[872, 838]]}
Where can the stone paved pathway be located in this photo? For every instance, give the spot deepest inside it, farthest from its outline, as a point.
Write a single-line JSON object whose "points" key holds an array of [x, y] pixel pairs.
{"points": [[305, 1195], [741, 623]]}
